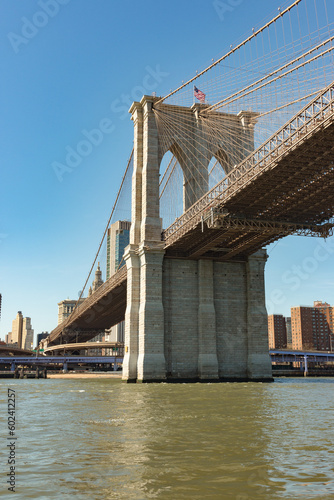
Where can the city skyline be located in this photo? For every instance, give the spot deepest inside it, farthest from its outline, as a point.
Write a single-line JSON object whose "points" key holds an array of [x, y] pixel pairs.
{"points": [[58, 89]]}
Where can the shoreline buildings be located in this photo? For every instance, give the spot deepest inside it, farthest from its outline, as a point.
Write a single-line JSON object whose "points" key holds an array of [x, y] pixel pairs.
{"points": [[309, 328], [312, 327]]}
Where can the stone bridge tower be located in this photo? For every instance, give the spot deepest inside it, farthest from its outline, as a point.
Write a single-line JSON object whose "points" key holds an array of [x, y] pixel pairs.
{"points": [[188, 319]]}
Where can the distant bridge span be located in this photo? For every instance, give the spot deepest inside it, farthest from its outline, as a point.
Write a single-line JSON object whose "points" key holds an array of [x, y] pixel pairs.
{"points": [[84, 346], [14, 351]]}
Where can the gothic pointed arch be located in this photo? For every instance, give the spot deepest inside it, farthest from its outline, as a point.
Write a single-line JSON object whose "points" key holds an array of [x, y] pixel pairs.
{"points": [[170, 188]]}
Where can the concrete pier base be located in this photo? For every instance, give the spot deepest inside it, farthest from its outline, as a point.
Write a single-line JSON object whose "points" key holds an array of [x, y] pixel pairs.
{"points": [[214, 321]]}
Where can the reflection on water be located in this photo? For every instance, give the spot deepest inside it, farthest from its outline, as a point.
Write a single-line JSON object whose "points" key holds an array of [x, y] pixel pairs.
{"points": [[103, 439]]}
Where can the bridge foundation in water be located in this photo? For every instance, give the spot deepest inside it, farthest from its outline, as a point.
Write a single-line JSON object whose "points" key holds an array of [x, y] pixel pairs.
{"points": [[200, 320], [187, 319]]}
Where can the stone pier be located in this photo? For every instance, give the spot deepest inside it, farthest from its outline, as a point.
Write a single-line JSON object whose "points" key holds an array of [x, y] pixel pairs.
{"points": [[188, 320]]}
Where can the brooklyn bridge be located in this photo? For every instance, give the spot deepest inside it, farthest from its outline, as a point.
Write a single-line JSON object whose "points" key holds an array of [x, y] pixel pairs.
{"points": [[238, 157]]}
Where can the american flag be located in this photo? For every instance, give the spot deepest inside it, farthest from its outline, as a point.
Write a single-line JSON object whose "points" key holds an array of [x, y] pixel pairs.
{"points": [[199, 94]]}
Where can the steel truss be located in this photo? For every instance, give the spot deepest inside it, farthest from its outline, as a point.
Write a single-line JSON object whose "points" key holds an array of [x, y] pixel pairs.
{"points": [[220, 219]]}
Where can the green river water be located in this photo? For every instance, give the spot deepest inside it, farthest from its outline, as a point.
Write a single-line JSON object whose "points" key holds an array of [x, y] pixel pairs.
{"points": [[104, 439]]}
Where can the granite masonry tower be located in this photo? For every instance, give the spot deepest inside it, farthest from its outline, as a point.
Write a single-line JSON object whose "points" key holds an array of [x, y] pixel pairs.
{"points": [[187, 319]]}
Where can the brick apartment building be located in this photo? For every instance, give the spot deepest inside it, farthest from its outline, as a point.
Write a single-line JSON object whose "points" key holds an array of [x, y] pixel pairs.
{"points": [[277, 331], [312, 327]]}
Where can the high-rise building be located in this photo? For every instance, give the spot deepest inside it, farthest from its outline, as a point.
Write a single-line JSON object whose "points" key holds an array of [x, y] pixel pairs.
{"points": [[117, 239], [16, 333], [288, 332], [311, 326], [65, 308], [27, 334], [41, 336], [327, 311], [302, 327], [22, 333], [277, 331]]}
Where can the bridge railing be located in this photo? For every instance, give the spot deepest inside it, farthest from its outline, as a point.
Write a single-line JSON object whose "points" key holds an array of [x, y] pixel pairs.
{"points": [[80, 310], [311, 117]]}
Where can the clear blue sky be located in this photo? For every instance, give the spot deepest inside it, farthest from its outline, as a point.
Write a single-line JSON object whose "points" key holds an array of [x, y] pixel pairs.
{"points": [[79, 69]]}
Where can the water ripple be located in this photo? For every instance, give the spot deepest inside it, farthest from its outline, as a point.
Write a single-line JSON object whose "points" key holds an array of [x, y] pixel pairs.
{"points": [[102, 439]]}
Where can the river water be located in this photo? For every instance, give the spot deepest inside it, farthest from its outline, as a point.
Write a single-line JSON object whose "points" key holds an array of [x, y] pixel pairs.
{"points": [[104, 439]]}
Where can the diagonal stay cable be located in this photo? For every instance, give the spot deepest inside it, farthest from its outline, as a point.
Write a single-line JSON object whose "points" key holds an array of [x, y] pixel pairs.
{"points": [[104, 234]]}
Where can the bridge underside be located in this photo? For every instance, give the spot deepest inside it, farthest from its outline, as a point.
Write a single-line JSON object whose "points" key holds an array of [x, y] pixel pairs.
{"points": [[103, 309]]}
